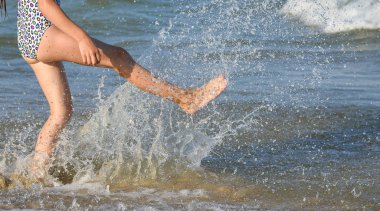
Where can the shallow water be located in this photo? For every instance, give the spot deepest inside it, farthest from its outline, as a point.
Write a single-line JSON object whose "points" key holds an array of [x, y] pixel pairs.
{"points": [[298, 126]]}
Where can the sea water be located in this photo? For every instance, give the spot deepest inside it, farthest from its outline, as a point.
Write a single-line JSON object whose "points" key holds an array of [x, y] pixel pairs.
{"points": [[297, 128]]}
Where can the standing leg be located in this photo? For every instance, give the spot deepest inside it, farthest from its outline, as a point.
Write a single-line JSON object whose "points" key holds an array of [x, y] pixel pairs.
{"points": [[58, 46], [53, 82]]}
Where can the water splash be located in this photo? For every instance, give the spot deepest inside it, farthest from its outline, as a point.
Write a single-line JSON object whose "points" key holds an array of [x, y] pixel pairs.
{"points": [[270, 139], [135, 136]]}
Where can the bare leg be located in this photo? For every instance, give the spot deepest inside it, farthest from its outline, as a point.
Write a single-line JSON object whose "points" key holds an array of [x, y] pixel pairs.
{"points": [[53, 82], [57, 46]]}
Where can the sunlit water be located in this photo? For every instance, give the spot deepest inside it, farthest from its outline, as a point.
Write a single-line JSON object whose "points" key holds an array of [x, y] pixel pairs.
{"points": [[298, 126]]}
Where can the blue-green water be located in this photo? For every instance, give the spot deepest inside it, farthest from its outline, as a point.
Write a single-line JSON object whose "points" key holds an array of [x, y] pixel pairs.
{"points": [[298, 127]]}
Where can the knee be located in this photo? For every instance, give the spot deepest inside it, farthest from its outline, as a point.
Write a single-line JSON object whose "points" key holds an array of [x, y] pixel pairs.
{"points": [[122, 59], [122, 53], [61, 115]]}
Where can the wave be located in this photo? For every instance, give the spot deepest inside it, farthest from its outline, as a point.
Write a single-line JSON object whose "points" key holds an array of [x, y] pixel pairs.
{"points": [[333, 16]]}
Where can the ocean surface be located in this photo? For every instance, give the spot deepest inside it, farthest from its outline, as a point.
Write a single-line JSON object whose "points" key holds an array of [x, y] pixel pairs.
{"points": [[297, 128]]}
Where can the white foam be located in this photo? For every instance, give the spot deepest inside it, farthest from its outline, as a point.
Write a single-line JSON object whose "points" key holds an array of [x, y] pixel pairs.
{"points": [[332, 16]]}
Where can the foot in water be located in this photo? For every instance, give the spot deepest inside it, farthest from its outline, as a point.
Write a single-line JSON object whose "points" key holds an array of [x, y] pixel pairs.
{"points": [[4, 182], [39, 172], [200, 97]]}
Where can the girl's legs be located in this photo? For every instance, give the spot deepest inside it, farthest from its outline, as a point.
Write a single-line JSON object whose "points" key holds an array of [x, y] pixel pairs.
{"points": [[58, 46], [53, 82]]}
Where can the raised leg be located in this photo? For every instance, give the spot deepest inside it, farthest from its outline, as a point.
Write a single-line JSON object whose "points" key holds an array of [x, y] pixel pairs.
{"points": [[58, 46], [53, 82]]}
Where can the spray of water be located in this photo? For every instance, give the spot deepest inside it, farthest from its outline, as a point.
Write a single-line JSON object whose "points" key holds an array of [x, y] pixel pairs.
{"points": [[135, 137], [138, 140]]}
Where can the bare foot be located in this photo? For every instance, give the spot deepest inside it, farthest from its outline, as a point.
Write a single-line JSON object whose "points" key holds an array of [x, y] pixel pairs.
{"points": [[39, 172], [39, 164], [202, 96]]}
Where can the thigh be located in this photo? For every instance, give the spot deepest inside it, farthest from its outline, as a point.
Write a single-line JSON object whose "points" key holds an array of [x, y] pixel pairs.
{"points": [[53, 82], [58, 46]]}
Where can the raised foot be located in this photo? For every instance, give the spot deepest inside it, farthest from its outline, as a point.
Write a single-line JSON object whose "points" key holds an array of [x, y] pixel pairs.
{"points": [[202, 96]]}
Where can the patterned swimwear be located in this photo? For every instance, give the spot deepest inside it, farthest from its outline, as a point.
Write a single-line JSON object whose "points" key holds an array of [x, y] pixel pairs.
{"points": [[31, 26]]}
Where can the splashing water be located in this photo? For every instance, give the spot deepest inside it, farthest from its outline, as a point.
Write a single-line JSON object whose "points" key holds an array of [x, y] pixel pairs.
{"points": [[274, 139]]}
